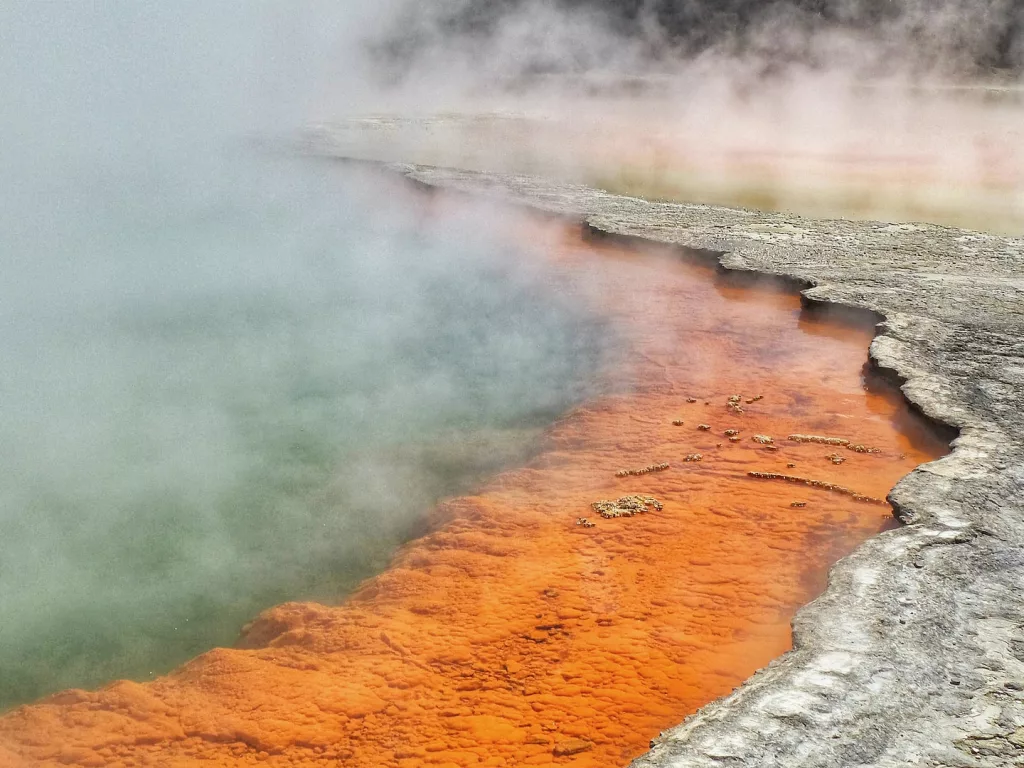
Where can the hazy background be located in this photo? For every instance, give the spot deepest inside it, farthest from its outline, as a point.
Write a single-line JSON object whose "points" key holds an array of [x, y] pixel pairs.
{"points": [[898, 110], [229, 376], [950, 38]]}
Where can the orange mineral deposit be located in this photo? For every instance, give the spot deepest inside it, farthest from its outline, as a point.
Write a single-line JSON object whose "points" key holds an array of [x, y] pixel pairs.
{"points": [[527, 629]]}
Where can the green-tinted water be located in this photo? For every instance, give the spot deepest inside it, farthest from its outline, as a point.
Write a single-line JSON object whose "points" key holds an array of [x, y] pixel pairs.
{"points": [[225, 390]]}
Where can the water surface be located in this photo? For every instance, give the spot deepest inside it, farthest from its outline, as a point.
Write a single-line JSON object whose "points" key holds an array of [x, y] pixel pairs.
{"points": [[239, 382]]}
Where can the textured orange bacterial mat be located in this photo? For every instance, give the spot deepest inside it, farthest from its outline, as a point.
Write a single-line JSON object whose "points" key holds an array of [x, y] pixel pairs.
{"points": [[511, 635]]}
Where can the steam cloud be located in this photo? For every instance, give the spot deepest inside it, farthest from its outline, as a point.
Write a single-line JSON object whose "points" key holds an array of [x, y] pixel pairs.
{"points": [[524, 37], [899, 111]]}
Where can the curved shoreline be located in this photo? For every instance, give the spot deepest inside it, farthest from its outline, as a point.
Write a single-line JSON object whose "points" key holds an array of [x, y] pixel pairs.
{"points": [[915, 652]]}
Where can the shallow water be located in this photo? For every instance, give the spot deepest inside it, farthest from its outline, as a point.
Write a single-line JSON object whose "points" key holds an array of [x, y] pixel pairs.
{"points": [[243, 382]]}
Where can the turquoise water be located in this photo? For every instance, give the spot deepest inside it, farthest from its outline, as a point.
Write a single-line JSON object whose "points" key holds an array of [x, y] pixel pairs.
{"points": [[227, 388]]}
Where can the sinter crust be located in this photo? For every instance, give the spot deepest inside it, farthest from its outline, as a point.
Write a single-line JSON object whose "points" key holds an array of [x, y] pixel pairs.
{"points": [[915, 653]]}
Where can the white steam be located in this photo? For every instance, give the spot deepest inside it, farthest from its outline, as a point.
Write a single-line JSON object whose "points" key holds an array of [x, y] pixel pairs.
{"points": [[897, 111]]}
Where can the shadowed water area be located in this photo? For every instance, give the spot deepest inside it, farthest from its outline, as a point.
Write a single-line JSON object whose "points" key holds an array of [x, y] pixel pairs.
{"points": [[224, 391], [512, 633]]}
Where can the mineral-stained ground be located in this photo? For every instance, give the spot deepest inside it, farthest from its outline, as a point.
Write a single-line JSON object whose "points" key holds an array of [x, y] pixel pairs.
{"points": [[577, 606]]}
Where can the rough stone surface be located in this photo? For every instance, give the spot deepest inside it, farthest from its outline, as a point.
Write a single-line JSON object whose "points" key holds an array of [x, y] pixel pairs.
{"points": [[915, 653]]}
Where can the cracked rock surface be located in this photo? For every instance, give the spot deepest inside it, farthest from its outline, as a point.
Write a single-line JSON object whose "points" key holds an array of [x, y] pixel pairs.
{"points": [[915, 653]]}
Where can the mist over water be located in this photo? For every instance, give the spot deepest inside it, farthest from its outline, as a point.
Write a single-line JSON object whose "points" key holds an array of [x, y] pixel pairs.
{"points": [[229, 376]]}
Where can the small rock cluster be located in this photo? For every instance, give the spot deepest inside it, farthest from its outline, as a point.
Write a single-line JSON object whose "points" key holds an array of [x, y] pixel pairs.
{"points": [[863, 448], [627, 506]]}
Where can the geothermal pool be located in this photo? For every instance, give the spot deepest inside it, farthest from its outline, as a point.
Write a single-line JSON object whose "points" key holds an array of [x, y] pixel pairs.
{"points": [[513, 632], [244, 379]]}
